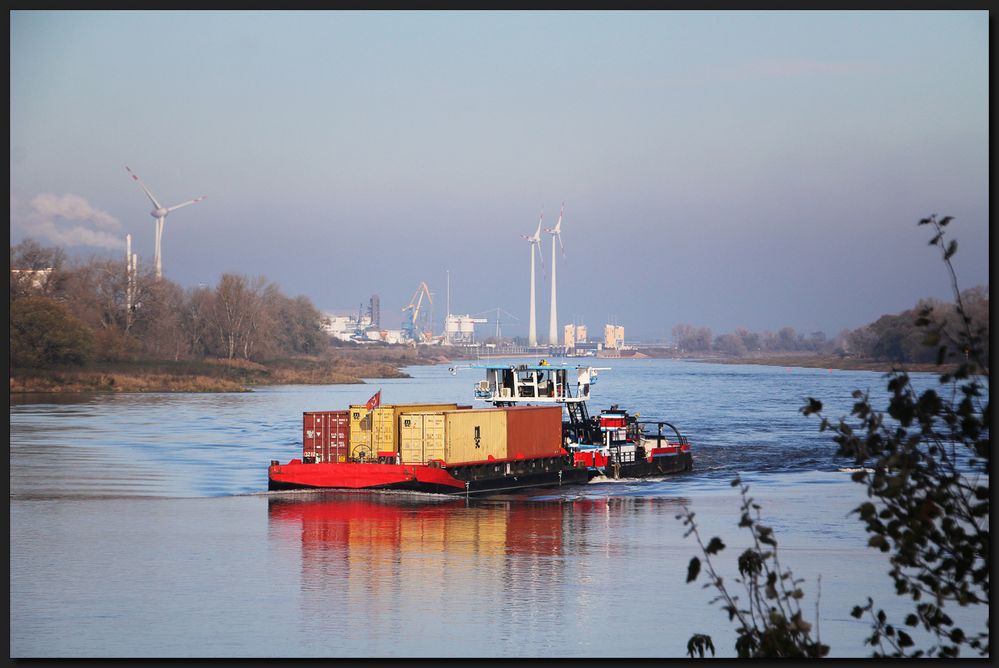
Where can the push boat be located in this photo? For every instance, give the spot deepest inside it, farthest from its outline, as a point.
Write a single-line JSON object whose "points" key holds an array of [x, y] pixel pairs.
{"points": [[538, 432]]}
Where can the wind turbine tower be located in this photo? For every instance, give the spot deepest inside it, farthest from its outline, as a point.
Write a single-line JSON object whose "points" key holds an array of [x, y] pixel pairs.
{"points": [[555, 232], [535, 241], [159, 213]]}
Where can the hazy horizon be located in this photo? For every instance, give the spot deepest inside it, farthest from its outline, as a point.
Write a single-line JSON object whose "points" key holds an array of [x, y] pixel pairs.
{"points": [[719, 168]]}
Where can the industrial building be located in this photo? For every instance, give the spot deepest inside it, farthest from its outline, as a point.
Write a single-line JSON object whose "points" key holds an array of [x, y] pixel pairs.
{"points": [[364, 325], [460, 329], [613, 337]]}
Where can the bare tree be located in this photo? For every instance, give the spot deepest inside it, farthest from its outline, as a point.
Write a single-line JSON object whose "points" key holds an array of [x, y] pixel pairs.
{"points": [[157, 322], [196, 321], [35, 269]]}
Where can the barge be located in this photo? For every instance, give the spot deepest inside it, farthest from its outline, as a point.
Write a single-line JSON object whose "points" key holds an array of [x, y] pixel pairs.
{"points": [[537, 433]]}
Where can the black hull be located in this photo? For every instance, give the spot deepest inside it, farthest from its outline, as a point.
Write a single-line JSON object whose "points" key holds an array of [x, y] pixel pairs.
{"points": [[664, 465], [575, 476]]}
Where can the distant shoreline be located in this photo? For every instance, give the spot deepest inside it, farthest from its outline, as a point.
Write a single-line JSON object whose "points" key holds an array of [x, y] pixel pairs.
{"points": [[345, 367], [827, 362]]}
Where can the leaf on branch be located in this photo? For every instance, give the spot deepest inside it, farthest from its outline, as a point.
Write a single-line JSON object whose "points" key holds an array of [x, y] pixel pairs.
{"points": [[951, 249], [715, 545], [693, 569], [698, 643], [750, 563], [814, 406], [878, 542], [765, 534]]}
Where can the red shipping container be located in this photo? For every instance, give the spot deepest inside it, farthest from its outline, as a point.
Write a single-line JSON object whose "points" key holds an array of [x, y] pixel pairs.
{"points": [[325, 436], [534, 431]]}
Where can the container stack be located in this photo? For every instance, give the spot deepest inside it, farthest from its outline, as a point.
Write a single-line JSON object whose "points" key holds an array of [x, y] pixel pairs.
{"points": [[374, 433], [423, 433], [458, 437]]}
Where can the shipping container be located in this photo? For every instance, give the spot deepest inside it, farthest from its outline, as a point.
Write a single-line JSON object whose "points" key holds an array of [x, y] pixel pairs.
{"points": [[325, 436], [534, 431], [385, 423], [475, 435], [421, 437], [360, 432]]}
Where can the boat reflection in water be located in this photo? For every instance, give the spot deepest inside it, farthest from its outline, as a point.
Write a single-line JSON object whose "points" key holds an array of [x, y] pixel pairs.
{"points": [[408, 566]]}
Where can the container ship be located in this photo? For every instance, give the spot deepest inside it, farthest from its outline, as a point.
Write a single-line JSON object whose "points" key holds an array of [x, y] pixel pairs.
{"points": [[536, 433]]}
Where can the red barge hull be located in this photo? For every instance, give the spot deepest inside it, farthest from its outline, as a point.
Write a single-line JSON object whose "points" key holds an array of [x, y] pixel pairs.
{"points": [[490, 476]]}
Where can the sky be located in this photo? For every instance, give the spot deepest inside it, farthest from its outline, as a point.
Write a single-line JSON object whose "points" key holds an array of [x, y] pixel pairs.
{"points": [[721, 169]]}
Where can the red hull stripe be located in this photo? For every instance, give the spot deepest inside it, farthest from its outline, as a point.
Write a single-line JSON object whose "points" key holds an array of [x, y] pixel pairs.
{"points": [[358, 476]]}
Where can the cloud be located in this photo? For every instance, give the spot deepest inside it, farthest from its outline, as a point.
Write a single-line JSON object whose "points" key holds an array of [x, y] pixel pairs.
{"points": [[66, 220]]}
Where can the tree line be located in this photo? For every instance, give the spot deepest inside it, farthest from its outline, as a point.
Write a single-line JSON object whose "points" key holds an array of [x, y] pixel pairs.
{"points": [[895, 337], [74, 312]]}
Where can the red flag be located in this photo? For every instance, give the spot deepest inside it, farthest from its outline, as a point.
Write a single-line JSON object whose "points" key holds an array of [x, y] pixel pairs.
{"points": [[374, 401]]}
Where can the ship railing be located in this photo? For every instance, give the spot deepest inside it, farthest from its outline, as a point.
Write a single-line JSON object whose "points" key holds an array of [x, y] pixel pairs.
{"points": [[661, 433]]}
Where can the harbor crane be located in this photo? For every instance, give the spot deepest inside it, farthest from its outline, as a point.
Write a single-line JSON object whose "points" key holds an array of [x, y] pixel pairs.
{"points": [[409, 326], [498, 310]]}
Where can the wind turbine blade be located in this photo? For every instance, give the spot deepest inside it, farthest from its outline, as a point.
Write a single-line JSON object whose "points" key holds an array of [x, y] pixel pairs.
{"points": [[192, 201], [142, 185], [541, 256], [558, 229]]}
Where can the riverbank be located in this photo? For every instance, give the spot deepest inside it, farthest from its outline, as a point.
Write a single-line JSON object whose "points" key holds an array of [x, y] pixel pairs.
{"points": [[340, 366]]}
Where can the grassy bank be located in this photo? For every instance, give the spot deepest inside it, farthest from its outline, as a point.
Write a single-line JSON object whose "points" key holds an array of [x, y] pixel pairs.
{"points": [[215, 375]]}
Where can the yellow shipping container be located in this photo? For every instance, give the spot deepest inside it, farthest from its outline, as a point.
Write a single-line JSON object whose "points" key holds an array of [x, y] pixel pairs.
{"points": [[360, 431], [475, 435], [385, 423], [421, 437]]}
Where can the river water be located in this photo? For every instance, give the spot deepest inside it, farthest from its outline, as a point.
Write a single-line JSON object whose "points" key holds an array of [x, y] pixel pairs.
{"points": [[140, 526]]}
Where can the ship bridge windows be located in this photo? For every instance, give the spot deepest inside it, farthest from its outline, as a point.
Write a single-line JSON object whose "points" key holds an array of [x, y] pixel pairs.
{"points": [[541, 383]]}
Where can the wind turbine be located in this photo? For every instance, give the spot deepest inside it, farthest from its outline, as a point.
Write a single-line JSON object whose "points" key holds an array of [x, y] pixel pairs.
{"points": [[555, 232], [160, 213], [535, 241]]}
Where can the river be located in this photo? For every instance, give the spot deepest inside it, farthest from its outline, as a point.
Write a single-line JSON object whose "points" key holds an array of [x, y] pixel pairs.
{"points": [[140, 526]]}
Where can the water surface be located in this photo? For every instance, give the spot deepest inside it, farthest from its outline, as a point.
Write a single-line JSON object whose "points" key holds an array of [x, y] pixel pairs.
{"points": [[141, 527]]}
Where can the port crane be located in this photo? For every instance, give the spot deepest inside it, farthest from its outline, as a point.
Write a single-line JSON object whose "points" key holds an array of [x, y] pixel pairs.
{"points": [[412, 311], [499, 331]]}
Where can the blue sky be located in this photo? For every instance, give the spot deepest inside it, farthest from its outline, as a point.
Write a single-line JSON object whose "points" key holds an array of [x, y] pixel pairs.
{"points": [[719, 168]]}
